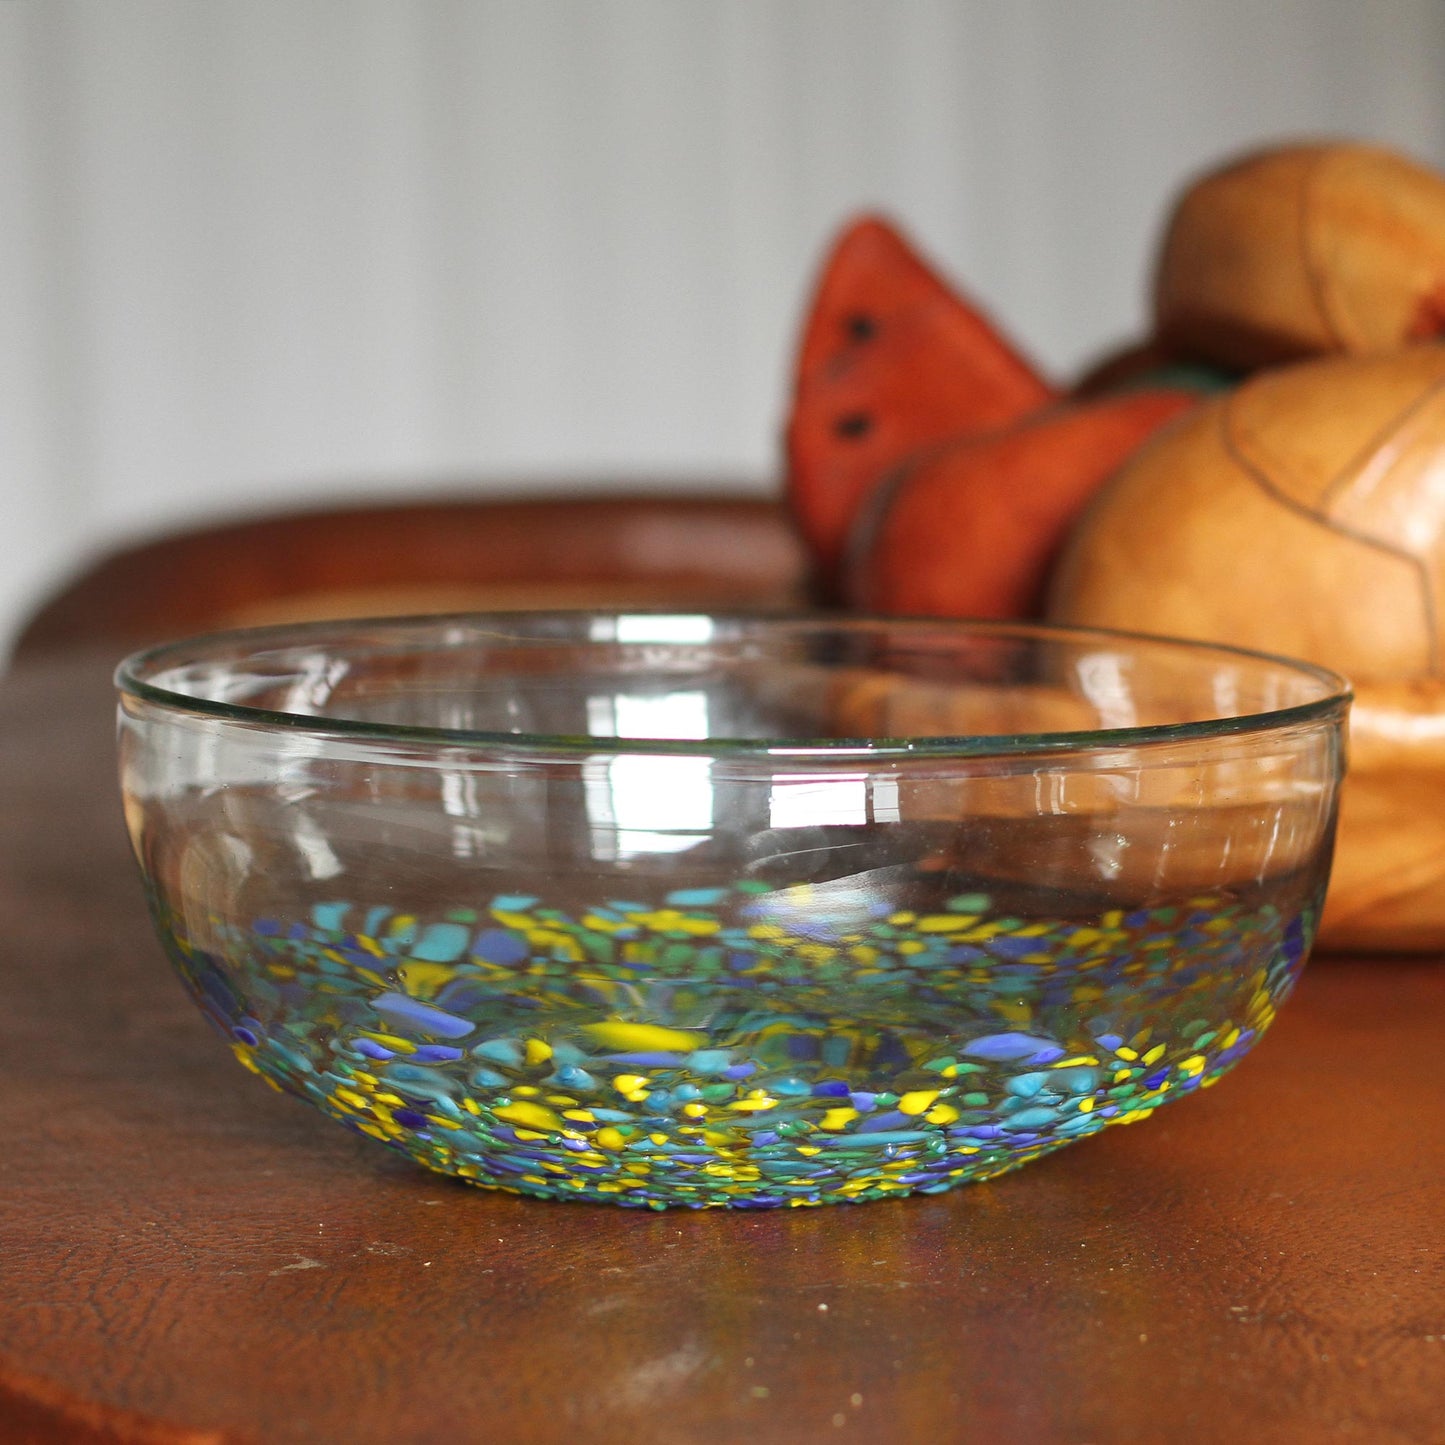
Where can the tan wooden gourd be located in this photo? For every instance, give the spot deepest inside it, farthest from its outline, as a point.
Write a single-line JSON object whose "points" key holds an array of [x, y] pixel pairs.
{"points": [[1303, 250], [1304, 513]]}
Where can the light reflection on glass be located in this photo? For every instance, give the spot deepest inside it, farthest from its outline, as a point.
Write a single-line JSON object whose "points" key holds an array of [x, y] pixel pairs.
{"points": [[1226, 694], [315, 848], [650, 627], [813, 802], [639, 804], [1104, 681]]}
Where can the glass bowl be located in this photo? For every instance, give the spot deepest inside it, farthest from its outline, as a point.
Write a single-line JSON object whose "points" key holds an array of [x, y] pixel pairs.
{"points": [[703, 910]]}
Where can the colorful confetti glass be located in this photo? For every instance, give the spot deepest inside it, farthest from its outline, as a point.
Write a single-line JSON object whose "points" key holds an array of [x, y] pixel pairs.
{"points": [[735, 1046]]}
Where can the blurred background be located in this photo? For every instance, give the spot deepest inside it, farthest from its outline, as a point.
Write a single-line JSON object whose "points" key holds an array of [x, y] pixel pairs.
{"points": [[256, 254]]}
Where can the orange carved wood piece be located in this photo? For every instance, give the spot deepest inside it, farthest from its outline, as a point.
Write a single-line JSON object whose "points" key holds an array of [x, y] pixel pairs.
{"points": [[931, 468], [891, 360], [971, 530]]}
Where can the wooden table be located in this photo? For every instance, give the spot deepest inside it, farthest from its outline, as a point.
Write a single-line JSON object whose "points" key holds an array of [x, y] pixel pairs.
{"points": [[187, 1257]]}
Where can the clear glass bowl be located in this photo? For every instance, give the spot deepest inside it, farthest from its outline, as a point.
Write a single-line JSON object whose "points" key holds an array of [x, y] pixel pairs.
{"points": [[675, 909]]}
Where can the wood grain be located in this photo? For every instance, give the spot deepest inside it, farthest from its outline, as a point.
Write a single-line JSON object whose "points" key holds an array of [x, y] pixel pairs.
{"points": [[188, 1257]]}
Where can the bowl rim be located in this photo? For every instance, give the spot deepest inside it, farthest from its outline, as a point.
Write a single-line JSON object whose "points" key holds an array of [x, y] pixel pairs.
{"points": [[131, 681]]}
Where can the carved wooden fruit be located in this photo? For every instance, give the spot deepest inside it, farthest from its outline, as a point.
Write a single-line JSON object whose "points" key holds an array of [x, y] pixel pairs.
{"points": [[1304, 513], [891, 360], [970, 529], [1301, 251]]}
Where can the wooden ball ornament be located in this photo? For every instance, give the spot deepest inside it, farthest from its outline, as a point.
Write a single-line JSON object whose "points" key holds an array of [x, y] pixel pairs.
{"points": [[1300, 251], [1304, 513]]}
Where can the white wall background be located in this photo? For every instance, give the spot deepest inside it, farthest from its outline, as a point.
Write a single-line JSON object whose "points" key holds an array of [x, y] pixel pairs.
{"points": [[257, 252]]}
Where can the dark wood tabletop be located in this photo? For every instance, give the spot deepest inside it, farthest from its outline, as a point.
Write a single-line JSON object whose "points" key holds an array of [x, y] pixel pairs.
{"points": [[188, 1257]]}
